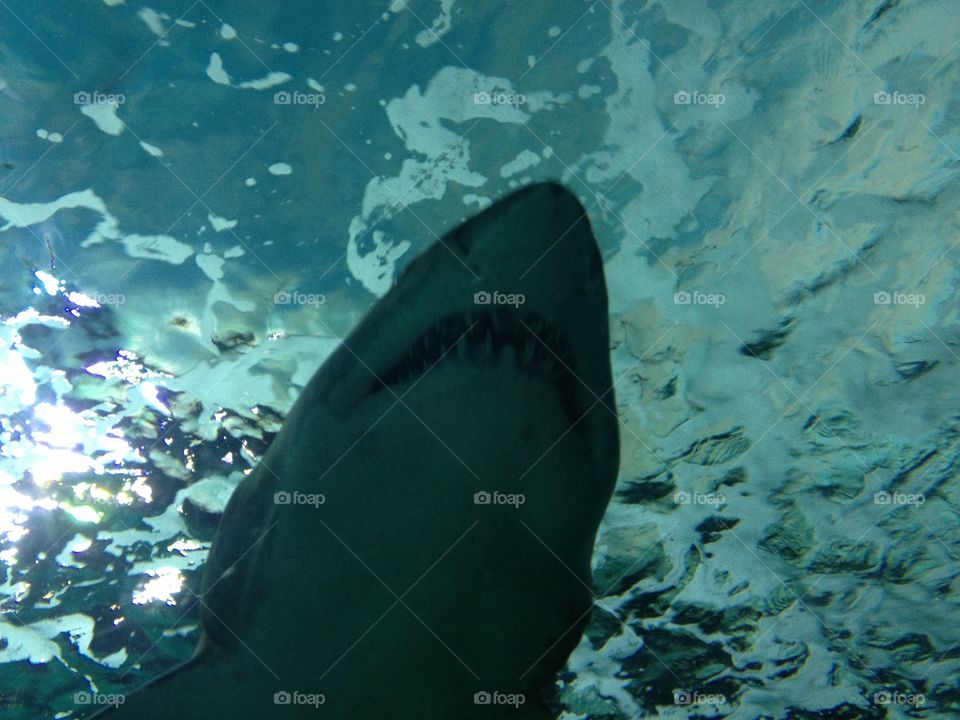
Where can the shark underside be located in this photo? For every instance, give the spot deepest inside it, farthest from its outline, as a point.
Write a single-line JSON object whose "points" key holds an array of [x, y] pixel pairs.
{"points": [[416, 543]]}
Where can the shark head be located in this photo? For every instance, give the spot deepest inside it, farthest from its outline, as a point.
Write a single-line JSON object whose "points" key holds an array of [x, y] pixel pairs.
{"points": [[417, 540]]}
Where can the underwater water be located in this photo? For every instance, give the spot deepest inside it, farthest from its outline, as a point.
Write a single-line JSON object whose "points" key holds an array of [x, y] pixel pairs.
{"points": [[198, 200]]}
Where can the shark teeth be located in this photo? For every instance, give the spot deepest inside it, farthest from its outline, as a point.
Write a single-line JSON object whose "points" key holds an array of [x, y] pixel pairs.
{"points": [[537, 348]]}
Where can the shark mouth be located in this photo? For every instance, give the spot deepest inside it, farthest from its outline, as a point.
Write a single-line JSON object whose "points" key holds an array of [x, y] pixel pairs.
{"points": [[481, 337]]}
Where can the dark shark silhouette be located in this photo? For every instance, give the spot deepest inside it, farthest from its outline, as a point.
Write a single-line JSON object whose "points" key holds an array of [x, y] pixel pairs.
{"points": [[416, 542]]}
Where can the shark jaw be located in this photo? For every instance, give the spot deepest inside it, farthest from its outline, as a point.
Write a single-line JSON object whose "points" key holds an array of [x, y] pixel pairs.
{"points": [[464, 452]]}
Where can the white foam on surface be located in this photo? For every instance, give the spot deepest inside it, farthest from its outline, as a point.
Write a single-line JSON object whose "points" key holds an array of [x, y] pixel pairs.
{"points": [[216, 72], [78, 544], [440, 26], [151, 149], [104, 116], [439, 156], [53, 137], [153, 20], [524, 161], [219, 224], [157, 247], [28, 214], [35, 642], [270, 80]]}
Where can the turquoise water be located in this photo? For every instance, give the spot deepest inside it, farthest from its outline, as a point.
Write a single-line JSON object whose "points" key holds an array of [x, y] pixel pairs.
{"points": [[197, 200]]}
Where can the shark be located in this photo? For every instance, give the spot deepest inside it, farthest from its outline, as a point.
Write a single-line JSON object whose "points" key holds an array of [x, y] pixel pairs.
{"points": [[417, 540]]}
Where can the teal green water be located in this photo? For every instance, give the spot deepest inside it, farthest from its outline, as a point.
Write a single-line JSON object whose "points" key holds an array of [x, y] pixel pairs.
{"points": [[198, 200]]}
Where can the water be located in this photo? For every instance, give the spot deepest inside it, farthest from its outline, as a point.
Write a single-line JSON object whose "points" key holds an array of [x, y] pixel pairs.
{"points": [[773, 187]]}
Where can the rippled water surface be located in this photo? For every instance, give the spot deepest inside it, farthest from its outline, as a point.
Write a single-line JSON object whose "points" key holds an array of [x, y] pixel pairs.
{"points": [[199, 199]]}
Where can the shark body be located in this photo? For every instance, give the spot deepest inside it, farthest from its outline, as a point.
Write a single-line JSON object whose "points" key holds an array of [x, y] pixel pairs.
{"points": [[416, 542]]}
